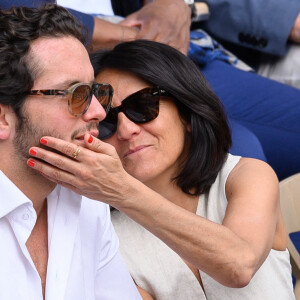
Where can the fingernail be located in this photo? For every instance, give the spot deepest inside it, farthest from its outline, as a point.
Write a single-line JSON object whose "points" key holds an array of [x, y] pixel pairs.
{"points": [[30, 163], [90, 139], [44, 141], [32, 152]]}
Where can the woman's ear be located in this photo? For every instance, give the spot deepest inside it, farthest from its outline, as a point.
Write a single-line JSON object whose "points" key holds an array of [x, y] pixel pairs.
{"points": [[5, 121], [188, 127]]}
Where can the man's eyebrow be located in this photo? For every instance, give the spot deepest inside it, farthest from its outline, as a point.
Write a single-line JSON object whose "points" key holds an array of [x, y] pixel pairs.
{"points": [[66, 84]]}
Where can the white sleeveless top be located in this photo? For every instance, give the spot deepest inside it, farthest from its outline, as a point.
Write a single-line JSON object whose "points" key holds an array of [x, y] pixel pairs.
{"points": [[160, 271]]}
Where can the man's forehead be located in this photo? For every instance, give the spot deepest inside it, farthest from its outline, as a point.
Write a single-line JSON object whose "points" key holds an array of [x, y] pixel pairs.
{"points": [[50, 50], [60, 57]]}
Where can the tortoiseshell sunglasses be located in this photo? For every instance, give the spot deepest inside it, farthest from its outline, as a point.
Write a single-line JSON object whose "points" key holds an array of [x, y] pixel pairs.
{"points": [[80, 96]]}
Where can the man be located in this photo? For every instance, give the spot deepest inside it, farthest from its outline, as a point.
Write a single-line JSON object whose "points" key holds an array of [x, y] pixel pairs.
{"points": [[55, 244]]}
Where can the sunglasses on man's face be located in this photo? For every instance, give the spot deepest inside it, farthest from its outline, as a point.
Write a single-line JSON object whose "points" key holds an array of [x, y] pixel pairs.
{"points": [[140, 107], [80, 96]]}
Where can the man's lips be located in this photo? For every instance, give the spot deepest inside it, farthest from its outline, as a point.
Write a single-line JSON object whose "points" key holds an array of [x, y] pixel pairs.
{"points": [[94, 133], [136, 149]]}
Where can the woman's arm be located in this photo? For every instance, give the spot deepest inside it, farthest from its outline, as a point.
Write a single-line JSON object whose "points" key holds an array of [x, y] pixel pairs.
{"points": [[145, 295], [231, 252]]}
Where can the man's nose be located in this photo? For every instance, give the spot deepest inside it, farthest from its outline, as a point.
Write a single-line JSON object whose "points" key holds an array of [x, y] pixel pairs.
{"points": [[95, 111]]}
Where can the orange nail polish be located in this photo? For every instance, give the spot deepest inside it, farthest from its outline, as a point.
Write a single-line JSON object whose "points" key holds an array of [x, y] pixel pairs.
{"points": [[32, 152], [44, 141], [30, 163]]}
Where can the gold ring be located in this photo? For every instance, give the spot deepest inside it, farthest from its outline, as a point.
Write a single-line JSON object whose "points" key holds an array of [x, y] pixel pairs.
{"points": [[76, 152]]}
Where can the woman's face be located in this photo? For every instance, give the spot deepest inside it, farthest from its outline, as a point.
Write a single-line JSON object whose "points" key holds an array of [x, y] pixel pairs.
{"points": [[149, 151]]}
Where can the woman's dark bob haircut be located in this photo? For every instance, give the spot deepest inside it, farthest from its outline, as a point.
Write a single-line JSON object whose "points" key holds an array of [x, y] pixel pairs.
{"points": [[163, 66]]}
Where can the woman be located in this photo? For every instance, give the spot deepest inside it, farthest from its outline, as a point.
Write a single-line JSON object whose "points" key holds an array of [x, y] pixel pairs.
{"points": [[207, 225]]}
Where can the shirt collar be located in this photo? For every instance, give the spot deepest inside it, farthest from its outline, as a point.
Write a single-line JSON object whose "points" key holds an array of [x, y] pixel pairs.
{"points": [[11, 196]]}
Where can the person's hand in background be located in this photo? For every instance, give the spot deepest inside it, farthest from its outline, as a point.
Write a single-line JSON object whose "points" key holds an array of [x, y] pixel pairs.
{"points": [[295, 32], [165, 21], [106, 35]]}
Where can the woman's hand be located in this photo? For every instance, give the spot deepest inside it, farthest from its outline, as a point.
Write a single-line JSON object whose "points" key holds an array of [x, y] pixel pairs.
{"points": [[95, 172]]}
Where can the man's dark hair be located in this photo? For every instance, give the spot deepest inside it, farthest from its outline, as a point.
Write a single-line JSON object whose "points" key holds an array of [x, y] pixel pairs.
{"points": [[163, 66], [20, 26]]}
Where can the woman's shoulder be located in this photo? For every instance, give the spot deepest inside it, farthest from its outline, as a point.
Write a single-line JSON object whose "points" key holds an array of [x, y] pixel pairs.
{"points": [[237, 176], [229, 164], [249, 171]]}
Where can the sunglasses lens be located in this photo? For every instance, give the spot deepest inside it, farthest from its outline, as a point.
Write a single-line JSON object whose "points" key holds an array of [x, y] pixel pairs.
{"points": [[142, 106], [104, 94], [80, 98]]}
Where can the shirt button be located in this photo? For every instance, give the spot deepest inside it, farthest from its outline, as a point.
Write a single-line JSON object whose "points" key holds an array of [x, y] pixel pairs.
{"points": [[25, 216], [262, 43]]}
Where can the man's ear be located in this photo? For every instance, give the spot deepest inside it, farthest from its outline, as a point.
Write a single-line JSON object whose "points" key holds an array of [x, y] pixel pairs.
{"points": [[5, 121]]}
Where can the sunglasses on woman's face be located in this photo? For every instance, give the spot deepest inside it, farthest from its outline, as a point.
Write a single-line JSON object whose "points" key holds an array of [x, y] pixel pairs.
{"points": [[140, 107], [80, 96]]}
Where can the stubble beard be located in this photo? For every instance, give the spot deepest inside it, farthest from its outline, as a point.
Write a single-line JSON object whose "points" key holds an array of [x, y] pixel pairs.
{"points": [[28, 135]]}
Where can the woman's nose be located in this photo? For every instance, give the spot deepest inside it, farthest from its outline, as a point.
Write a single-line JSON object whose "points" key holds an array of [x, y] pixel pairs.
{"points": [[126, 128]]}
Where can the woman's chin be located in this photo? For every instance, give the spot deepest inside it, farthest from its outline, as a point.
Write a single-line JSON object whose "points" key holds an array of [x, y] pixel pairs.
{"points": [[141, 173]]}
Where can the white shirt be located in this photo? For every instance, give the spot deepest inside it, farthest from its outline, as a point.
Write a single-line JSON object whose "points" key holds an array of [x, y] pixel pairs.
{"points": [[84, 261], [89, 6]]}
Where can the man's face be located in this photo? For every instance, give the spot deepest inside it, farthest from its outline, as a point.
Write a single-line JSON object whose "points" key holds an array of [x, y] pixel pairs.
{"points": [[61, 62]]}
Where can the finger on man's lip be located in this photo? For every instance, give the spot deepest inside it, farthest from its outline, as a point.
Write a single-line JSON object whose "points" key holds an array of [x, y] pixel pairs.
{"points": [[94, 133]]}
